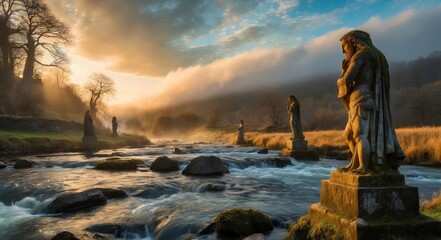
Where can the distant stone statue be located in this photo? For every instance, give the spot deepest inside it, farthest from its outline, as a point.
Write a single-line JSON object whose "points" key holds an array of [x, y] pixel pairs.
{"points": [[364, 90], [294, 118], [241, 136], [89, 139], [114, 127], [296, 146]]}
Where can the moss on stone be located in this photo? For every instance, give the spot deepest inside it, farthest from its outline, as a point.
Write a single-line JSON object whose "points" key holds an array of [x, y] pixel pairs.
{"points": [[302, 230], [242, 222]]}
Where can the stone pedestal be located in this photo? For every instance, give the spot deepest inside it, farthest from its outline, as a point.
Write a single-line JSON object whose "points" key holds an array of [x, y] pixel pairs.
{"points": [[298, 149], [371, 207], [89, 143]]}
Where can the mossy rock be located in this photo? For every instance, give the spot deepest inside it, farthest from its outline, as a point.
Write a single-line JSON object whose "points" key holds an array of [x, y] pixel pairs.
{"points": [[242, 222], [117, 164], [302, 230]]}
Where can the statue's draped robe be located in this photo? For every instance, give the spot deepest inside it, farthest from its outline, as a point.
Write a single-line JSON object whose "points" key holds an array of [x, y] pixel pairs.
{"points": [[382, 137]]}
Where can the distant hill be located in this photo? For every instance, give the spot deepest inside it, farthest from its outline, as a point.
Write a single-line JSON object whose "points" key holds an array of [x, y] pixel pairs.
{"points": [[415, 88]]}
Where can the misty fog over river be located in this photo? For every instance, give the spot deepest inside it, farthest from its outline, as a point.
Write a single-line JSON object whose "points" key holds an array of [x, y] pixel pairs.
{"points": [[168, 205]]}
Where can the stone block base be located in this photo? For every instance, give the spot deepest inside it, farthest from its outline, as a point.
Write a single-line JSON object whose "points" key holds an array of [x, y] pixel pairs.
{"points": [[89, 143], [301, 155], [297, 145], [369, 202], [409, 227]]}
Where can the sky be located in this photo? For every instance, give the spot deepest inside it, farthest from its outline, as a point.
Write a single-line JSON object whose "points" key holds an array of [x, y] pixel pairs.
{"points": [[158, 51]]}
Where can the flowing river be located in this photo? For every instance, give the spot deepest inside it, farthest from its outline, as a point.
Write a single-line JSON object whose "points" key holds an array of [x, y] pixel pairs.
{"points": [[166, 206]]}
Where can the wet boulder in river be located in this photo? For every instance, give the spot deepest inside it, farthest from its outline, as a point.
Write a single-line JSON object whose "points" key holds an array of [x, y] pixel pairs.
{"points": [[71, 202], [23, 163], [164, 164], [205, 165], [65, 235], [242, 222], [117, 164], [2, 165]]}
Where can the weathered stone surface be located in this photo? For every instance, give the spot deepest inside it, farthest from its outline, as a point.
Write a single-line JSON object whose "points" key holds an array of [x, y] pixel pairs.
{"points": [[23, 163], [71, 202], [65, 235], [282, 162], [383, 180], [302, 155], [263, 151], [113, 193], [242, 222], [205, 165], [117, 164], [404, 227], [2, 165], [164, 164], [297, 145], [369, 202]]}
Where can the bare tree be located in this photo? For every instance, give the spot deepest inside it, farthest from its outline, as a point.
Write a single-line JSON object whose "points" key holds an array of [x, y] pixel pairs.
{"points": [[272, 102], [9, 11], [42, 34], [98, 88]]}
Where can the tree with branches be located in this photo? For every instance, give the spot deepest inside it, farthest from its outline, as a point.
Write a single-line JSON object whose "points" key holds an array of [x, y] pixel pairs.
{"points": [[42, 33], [98, 88], [272, 103]]}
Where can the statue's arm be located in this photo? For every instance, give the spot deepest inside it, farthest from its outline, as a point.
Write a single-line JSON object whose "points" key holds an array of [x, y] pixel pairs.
{"points": [[353, 70]]}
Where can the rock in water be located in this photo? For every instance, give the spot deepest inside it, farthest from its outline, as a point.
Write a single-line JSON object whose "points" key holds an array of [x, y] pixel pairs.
{"points": [[65, 235], [23, 163], [178, 151], [71, 202], [2, 165], [205, 165], [242, 222], [113, 193], [263, 151], [117, 164], [164, 164]]}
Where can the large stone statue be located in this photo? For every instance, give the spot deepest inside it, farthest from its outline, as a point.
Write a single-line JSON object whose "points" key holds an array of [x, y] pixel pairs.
{"points": [[364, 89], [294, 118], [114, 127], [241, 135], [89, 139], [378, 205]]}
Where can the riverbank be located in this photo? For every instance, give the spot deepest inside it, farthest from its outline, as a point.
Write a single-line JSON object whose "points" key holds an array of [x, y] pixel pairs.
{"points": [[421, 145], [29, 135]]}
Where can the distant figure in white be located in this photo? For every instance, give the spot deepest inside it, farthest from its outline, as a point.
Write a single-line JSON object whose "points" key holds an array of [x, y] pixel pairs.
{"points": [[294, 118]]}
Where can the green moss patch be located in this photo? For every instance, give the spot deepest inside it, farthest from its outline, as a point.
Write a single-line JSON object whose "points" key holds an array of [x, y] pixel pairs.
{"points": [[242, 222]]}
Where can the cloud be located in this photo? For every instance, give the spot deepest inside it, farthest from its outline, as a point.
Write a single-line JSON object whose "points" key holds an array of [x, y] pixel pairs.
{"points": [[406, 36]]}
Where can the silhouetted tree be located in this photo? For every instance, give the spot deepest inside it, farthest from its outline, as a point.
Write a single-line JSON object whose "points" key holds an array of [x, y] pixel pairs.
{"points": [[9, 10], [274, 107], [42, 35], [98, 88]]}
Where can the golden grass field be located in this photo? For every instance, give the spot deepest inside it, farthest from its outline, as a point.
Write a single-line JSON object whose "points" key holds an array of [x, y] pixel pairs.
{"points": [[421, 145]]}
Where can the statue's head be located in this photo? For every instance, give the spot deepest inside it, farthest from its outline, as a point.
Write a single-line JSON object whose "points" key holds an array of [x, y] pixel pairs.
{"points": [[292, 98], [352, 41]]}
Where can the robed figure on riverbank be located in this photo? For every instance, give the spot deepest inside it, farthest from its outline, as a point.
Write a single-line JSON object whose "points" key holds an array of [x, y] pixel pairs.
{"points": [[364, 90]]}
